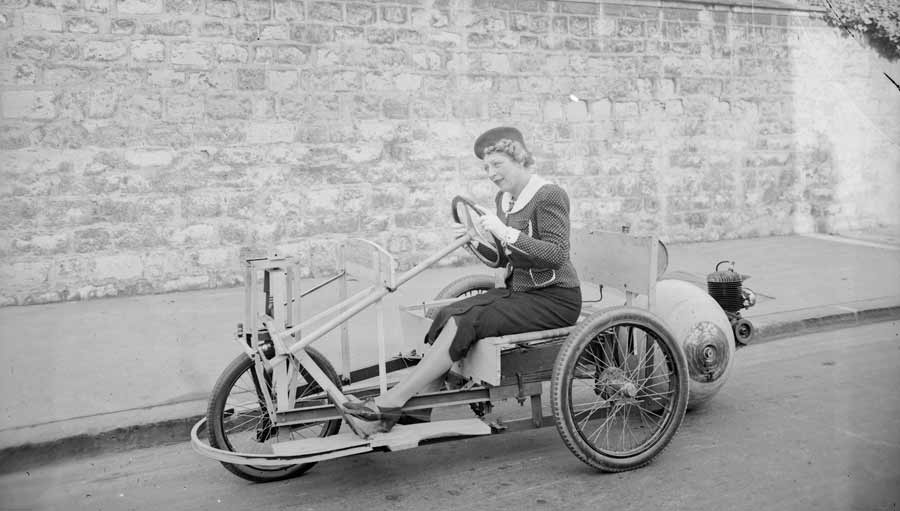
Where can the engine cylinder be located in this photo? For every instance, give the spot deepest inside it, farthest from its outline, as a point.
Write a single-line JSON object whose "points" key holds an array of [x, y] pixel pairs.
{"points": [[704, 332]]}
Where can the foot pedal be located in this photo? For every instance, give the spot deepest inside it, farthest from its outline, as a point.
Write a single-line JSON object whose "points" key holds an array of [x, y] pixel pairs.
{"points": [[406, 437], [322, 448]]}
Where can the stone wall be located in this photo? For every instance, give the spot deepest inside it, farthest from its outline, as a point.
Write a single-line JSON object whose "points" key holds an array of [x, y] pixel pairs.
{"points": [[148, 145]]}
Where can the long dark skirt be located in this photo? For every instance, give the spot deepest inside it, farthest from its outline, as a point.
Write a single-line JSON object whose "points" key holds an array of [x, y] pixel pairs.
{"points": [[506, 312]]}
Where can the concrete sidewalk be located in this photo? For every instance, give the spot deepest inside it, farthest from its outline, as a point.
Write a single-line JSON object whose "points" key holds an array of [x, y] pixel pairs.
{"points": [[130, 372]]}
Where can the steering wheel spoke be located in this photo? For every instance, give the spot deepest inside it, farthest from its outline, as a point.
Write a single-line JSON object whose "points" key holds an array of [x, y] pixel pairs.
{"points": [[467, 212]]}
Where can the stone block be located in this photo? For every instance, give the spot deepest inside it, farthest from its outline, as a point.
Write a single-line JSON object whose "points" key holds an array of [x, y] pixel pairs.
{"points": [[82, 25], [119, 267], [282, 80], [98, 6], [380, 36], [408, 36], [193, 54], [148, 50], [257, 10], [407, 82], [42, 21], [526, 108], [182, 107], [92, 239], [263, 54], [222, 106], [36, 48], [600, 109], [291, 107], [293, 54], [28, 104], [312, 33], [270, 132], [251, 79], [274, 33], [444, 39], [396, 108], [222, 9], [44, 245], [181, 7], [210, 81], [478, 40], [140, 106], [625, 109], [326, 11], [122, 26], [428, 60], [576, 111], [289, 10], [25, 274], [674, 107], [234, 54], [166, 27], [395, 14], [629, 28], [323, 107], [349, 33], [105, 51], [149, 157], [360, 14], [139, 6], [364, 107], [246, 32], [23, 74]]}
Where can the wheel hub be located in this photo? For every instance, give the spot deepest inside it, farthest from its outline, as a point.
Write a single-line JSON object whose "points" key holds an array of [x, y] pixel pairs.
{"points": [[706, 350], [613, 382]]}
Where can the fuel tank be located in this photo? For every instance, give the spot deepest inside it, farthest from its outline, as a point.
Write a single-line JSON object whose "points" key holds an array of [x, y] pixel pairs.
{"points": [[704, 332]]}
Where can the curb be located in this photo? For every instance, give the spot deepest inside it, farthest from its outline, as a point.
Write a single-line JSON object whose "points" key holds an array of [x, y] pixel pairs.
{"points": [[778, 325], [769, 327], [152, 434]]}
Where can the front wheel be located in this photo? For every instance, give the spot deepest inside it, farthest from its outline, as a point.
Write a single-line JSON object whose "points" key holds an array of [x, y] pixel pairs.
{"points": [[619, 389], [463, 287], [239, 421]]}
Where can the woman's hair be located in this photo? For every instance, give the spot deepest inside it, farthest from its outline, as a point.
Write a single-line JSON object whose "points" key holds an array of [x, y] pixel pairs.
{"points": [[513, 149]]}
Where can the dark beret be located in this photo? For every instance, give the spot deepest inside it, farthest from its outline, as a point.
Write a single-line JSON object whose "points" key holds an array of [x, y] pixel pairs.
{"points": [[492, 136]]}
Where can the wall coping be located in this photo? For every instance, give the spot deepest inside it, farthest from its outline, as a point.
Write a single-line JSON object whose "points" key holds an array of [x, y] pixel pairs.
{"points": [[743, 6]]}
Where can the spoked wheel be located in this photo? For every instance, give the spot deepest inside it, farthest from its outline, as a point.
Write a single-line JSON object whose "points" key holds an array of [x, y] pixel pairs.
{"points": [[463, 287], [239, 421], [619, 389]]}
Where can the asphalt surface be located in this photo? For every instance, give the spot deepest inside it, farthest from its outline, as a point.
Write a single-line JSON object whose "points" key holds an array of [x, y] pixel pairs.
{"points": [[123, 373], [807, 422]]}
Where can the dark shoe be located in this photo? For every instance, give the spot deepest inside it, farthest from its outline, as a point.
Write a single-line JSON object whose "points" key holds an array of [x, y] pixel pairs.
{"points": [[366, 418], [415, 417]]}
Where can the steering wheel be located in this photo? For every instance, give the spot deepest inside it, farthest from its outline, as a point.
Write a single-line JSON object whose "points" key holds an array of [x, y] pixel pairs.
{"points": [[465, 212]]}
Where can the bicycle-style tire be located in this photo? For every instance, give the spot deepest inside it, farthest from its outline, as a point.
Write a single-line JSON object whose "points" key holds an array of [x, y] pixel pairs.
{"points": [[619, 389], [236, 410]]}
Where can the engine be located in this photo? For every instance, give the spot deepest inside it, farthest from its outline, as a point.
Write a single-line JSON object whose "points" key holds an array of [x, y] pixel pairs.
{"points": [[726, 288]]}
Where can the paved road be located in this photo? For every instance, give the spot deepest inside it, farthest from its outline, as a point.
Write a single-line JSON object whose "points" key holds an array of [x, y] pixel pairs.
{"points": [[806, 423]]}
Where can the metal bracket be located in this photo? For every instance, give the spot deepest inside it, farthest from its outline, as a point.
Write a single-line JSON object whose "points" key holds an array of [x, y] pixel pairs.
{"points": [[520, 397]]}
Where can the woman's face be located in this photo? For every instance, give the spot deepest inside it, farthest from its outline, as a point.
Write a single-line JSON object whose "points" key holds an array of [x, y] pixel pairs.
{"points": [[505, 172]]}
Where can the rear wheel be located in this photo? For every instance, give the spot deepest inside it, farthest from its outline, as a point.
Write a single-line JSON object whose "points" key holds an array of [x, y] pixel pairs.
{"points": [[239, 421], [619, 389]]}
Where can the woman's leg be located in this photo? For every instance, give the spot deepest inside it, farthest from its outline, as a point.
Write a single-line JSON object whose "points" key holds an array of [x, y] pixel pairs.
{"points": [[427, 374]]}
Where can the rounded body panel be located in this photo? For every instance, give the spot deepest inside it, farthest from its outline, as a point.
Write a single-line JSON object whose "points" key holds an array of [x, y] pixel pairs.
{"points": [[704, 332]]}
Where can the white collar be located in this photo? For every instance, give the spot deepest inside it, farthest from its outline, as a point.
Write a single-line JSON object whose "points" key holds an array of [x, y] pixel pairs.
{"points": [[534, 184]]}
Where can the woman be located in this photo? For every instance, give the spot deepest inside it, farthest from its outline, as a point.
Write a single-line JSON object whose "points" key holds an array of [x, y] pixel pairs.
{"points": [[542, 289]]}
